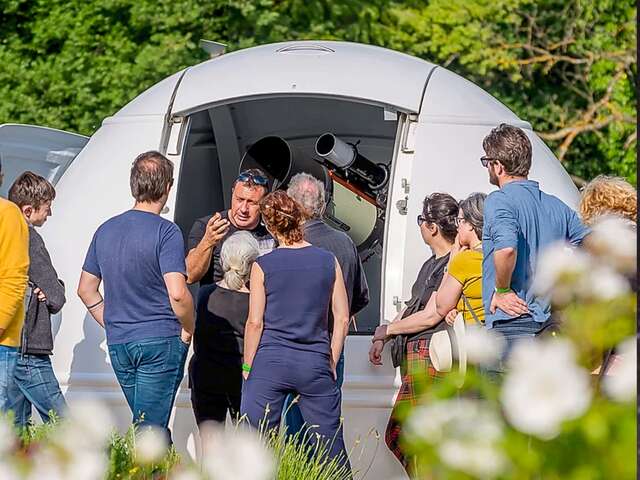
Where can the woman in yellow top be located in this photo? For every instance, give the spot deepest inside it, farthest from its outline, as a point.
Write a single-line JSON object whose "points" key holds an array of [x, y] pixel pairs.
{"points": [[464, 272]]}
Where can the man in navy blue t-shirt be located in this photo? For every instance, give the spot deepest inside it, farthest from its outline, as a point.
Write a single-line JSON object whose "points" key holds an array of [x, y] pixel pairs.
{"points": [[147, 310]]}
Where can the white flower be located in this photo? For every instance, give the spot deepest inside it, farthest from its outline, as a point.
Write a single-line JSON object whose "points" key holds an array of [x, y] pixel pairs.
{"points": [[151, 445], [465, 432], [88, 424], [602, 283], [87, 465], [544, 386], [8, 471], [8, 440], [46, 465], [186, 475], [234, 454], [615, 240], [559, 268], [474, 458], [483, 347], [620, 383]]}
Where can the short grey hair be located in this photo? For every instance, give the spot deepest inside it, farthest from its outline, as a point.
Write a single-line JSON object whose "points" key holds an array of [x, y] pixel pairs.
{"points": [[472, 209], [308, 191], [511, 147], [237, 255]]}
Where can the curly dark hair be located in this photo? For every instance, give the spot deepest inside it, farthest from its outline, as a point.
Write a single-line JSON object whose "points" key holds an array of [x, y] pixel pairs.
{"points": [[282, 216]]}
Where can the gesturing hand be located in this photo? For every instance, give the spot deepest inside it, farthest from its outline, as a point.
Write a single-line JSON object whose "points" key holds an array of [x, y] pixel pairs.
{"points": [[509, 303], [217, 228]]}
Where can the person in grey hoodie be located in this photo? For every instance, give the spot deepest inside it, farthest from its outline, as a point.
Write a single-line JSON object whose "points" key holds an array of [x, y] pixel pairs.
{"points": [[35, 382]]}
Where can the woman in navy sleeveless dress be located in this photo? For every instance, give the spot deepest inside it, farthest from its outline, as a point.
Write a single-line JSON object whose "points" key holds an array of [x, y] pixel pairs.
{"points": [[287, 346]]}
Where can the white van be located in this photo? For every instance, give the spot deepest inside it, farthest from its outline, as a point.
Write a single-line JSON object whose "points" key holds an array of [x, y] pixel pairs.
{"points": [[423, 123]]}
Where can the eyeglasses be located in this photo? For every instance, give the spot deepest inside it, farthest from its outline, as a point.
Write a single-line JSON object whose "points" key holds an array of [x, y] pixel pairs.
{"points": [[459, 220], [486, 160], [253, 177]]}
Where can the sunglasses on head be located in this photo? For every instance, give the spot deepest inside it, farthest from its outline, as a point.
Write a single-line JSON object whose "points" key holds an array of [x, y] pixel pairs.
{"points": [[254, 178]]}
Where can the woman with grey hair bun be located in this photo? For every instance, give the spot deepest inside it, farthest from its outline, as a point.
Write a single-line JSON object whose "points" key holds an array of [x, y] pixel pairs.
{"points": [[461, 287], [215, 370]]}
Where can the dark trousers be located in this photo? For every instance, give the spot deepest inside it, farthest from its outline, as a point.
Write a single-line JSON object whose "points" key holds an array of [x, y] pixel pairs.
{"points": [[149, 372], [279, 371], [213, 397], [35, 385], [292, 415]]}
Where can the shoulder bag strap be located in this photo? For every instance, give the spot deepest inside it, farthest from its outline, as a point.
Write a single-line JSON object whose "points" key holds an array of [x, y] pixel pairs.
{"points": [[468, 305]]}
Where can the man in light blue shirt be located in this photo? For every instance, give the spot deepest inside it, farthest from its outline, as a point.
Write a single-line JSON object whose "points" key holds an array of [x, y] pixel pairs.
{"points": [[520, 221]]}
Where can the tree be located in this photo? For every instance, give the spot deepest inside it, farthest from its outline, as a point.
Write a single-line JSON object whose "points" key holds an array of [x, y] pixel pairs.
{"points": [[567, 66]]}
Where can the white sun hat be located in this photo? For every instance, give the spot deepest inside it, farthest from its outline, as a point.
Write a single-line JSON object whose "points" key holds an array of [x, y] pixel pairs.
{"points": [[448, 345]]}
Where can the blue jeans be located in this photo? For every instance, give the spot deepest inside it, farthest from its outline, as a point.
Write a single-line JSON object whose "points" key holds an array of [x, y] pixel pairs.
{"points": [[8, 359], [35, 384], [149, 372], [292, 415]]}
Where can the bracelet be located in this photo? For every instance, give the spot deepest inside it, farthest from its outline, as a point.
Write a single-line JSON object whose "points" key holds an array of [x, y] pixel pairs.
{"points": [[95, 304], [503, 290], [246, 367]]}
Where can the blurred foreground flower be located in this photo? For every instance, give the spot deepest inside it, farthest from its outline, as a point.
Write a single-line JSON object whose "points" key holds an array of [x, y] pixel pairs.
{"points": [[544, 386], [560, 267], [615, 239], [232, 454], [565, 273], [465, 433], [621, 381], [8, 440], [483, 347], [88, 425], [151, 445]]}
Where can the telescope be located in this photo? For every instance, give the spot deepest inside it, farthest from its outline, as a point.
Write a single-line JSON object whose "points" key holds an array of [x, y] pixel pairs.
{"points": [[350, 168]]}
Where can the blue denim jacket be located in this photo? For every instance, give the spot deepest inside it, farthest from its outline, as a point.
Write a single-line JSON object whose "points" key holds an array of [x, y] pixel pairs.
{"points": [[521, 216]]}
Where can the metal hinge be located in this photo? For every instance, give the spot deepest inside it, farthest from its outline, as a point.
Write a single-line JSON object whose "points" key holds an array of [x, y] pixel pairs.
{"points": [[404, 184], [397, 303], [401, 205], [407, 145]]}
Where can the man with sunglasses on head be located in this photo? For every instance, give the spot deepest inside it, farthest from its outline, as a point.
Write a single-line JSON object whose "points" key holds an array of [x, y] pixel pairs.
{"points": [[520, 221], [209, 233]]}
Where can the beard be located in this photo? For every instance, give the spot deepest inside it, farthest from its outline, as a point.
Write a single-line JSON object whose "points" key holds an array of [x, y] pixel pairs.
{"points": [[493, 178]]}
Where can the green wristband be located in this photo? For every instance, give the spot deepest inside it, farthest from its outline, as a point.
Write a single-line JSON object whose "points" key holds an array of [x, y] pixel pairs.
{"points": [[246, 367], [503, 290]]}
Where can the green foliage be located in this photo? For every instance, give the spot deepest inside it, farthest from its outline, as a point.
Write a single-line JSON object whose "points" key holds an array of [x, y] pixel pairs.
{"points": [[122, 460], [298, 459], [568, 67]]}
